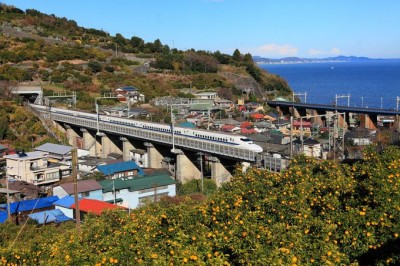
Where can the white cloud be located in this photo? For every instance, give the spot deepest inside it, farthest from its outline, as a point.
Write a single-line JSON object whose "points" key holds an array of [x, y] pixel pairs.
{"points": [[316, 52], [275, 50], [335, 51]]}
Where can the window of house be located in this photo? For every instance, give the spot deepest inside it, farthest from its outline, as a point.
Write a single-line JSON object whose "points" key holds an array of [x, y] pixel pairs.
{"points": [[85, 194]]}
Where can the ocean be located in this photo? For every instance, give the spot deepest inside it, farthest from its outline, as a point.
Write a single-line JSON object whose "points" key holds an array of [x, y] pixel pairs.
{"points": [[372, 84]]}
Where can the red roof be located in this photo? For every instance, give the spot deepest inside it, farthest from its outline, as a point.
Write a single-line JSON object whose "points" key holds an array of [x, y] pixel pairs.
{"points": [[304, 124], [246, 125], [257, 116], [95, 206], [227, 127], [246, 131]]}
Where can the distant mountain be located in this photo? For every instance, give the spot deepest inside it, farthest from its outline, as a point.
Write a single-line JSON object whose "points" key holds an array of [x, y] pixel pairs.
{"points": [[341, 58]]}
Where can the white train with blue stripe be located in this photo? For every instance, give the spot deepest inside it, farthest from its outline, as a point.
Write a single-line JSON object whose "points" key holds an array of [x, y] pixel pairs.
{"points": [[233, 140]]}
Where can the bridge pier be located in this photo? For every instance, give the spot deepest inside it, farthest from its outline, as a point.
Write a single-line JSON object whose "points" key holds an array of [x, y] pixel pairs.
{"points": [[59, 127], [154, 156], [126, 148], [366, 122], [185, 169], [72, 136], [397, 123], [315, 118], [108, 146], [90, 142], [218, 172]]}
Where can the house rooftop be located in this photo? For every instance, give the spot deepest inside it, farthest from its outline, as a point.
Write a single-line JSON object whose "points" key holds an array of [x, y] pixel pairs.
{"points": [[95, 206], [54, 148], [138, 183], [83, 186], [128, 88], [49, 216], [27, 155], [111, 169], [65, 202], [29, 205]]}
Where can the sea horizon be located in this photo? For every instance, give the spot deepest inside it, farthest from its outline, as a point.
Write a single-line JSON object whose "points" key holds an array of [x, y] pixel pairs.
{"points": [[371, 83]]}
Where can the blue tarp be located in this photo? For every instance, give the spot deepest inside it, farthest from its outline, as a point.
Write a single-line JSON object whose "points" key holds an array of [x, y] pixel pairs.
{"points": [[28, 205], [3, 216], [111, 169], [65, 202], [56, 216]]}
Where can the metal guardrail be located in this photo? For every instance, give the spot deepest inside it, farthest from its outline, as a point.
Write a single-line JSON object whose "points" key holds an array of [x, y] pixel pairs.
{"points": [[165, 138]]}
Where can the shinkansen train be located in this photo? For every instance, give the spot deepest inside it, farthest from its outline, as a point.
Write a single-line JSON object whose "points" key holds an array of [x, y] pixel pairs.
{"points": [[234, 140]]}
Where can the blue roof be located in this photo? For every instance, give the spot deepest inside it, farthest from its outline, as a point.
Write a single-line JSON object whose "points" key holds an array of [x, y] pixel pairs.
{"points": [[3, 216], [111, 169], [129, 88], [65, 202], [187, 124], [28, 205], [56, 216]]}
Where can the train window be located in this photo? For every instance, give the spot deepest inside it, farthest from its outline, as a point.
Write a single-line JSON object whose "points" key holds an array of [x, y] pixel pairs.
{"points": [[245, 139]]}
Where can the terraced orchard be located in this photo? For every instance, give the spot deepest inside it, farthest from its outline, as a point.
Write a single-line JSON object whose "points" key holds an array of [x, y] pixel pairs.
{"points": [[314, 213]]}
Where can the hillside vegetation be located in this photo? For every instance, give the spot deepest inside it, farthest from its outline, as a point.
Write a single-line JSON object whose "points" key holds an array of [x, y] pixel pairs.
{"points": [[57, 53], [314, 213]]}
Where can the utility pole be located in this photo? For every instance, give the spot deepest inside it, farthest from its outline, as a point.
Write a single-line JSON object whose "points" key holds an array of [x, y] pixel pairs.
{"points": [[291, 137], [8, 199], [172, 130], [201, 171], [75, 182]]}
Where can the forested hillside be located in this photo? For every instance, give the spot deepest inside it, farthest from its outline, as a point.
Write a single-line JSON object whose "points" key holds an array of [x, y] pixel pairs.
{"points": [[60, 55], [314, 213]]}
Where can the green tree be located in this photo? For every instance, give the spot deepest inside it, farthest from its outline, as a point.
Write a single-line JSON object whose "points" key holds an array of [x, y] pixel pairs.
{"points": [[95, 66], [237, 56]]}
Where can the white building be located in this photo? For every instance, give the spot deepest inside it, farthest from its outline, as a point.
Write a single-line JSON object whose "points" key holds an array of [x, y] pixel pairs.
{"points": [[131, 193], [34, 167], [206, 95]]}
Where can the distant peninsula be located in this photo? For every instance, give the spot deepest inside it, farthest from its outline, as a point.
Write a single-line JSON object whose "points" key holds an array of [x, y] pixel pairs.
{"points": [[288, 60]]}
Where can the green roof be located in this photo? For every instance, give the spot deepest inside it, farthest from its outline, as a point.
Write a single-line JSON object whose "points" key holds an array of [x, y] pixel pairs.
{"points": [[201, 106], [138, 183]]}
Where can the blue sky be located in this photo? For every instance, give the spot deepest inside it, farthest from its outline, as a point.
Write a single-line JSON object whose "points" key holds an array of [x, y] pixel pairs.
{"points": [[269, 28]]}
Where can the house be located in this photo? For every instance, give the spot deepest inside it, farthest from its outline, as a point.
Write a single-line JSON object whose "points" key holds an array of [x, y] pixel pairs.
{"points": [[271, 117], [93, 206], [60, 153], [206, 95], [257, 116], [309, 147], [254, 106], [248, 131], [87, 164], [34, 167], [230, 128], [123, 111], [19, 210], [13, 195], [223, 104], [64, 204], [86, 189], [131, 93], [127, 169], [139, 156], [26, 190], [50, 216], [131, 193], [3, 216]]}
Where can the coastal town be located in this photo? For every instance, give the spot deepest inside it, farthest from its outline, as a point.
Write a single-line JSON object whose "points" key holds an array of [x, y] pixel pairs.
{"points": [[127, 178]]}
